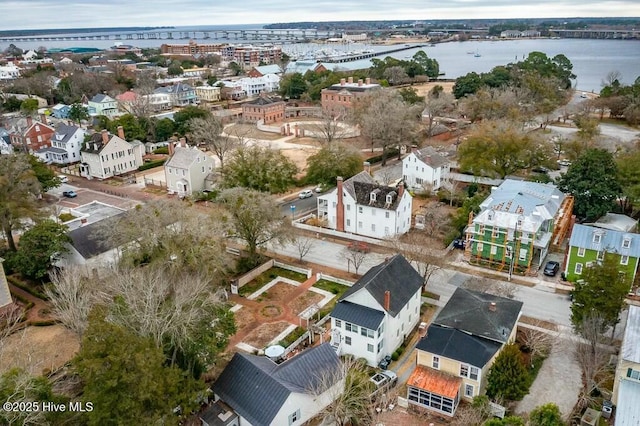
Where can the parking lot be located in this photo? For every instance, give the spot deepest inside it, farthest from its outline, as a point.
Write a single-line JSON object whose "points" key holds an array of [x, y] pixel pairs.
{"points": [[85, 196]]}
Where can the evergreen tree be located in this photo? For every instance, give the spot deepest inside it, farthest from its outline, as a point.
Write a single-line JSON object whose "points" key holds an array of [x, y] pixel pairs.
{"points": [[508, 377], [546, 415]]}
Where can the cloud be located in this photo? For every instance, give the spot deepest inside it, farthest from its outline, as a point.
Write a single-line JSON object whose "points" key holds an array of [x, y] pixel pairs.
{"points": [[118, 13]]}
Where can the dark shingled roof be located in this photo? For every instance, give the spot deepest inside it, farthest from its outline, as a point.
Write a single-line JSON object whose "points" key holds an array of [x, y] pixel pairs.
{"points": [[363, 195], [395, 275], [256, 387], [363, 316], [84, 240], [458, 345], [469, 311], [95, 141]]}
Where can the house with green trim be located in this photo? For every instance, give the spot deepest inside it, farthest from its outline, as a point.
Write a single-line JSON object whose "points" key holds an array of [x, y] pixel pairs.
{"points": [[517, 224], [588, 245]]}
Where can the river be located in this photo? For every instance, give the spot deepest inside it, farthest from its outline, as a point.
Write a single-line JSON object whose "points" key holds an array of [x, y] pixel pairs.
{"points": [[592, 59]]}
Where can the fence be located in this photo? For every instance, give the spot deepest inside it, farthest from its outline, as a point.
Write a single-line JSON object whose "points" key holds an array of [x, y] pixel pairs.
{"points": [[155, 183], [252, 274], [304, 336], [322, 276], [299, 270]]}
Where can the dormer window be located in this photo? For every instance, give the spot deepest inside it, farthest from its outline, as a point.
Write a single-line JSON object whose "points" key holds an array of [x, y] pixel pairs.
{"points": [[372, 197], [597, 238], [626, 243], [389, 199], [490, 216]]}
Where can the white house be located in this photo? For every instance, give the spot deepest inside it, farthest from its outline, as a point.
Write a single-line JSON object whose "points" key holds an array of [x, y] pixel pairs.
{"points": [[159, 101], [373, 318], [9, 72], [186, 170], [102, 104], [263, 393], [107, 155], [65, 145], [425, 168], [361, 206], [254, 86]]}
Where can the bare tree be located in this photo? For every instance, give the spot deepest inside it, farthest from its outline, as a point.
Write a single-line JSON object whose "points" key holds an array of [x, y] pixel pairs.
{"points": [[416, 248], [354, 257], [491, 286], [396, 75], [537, 339], [209, 133], [349, 389], [10, 321], [303, 245], [435, 107], [329, 129]]}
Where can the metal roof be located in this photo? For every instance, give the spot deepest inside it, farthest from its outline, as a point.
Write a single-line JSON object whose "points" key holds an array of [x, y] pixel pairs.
{"points": [[256, 387], [628, 410], [582, 236], [184, 157], [363, 316], [630, 350], [616, 222]]}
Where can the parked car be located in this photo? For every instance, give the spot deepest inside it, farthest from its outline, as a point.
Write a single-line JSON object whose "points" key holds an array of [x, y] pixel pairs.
{"points": [[564, 163], [540, 169], [459, 243], [551, 268], [384, 364], [305, 194], [70, 194], [63, 179], [359, 246], [384, 380]]}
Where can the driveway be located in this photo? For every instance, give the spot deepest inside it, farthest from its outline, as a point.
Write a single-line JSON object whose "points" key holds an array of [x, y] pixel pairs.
{"points": [[559, 381]]}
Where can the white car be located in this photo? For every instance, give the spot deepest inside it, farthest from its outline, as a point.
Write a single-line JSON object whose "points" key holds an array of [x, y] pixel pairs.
{"points": [[63, 178], [305, 194]]}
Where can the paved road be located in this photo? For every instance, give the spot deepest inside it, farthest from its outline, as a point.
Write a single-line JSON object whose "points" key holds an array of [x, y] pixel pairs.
{"points": [[302, 206], [539, 302]]}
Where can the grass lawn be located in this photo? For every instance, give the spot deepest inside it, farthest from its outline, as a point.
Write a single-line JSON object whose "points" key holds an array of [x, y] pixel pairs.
{"points": [[267, 276], [331, 286]]}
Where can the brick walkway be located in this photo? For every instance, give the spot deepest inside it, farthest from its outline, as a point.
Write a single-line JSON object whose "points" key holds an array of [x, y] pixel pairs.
{"points": [[256, 307], [35, 313]]}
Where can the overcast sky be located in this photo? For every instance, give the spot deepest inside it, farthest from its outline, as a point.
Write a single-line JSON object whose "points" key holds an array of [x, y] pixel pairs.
{"points": [[29, 14]]}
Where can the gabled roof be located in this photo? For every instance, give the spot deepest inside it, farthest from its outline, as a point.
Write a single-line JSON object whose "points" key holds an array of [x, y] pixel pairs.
{"points": [[101, 97], [362, 177], [265, 100], [472, 312], [269, 69], [610, 240], [256, 387], [85, 241], [616, 222], [175, 88], [395, 275], [184, 157], [458, 345], [96, 143], [128, 96], [431, 157], [64, 132], [363, 195], [363, 316]]}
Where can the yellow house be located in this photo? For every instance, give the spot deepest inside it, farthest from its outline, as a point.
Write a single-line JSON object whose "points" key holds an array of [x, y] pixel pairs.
{"points": [[455, 355]]}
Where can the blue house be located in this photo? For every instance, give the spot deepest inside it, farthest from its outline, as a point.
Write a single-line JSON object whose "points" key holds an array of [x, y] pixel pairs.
{"points": [[60, 111]]}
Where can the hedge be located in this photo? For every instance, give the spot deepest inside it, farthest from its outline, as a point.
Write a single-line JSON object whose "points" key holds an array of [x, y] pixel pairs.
{"points": [[378, 158], [24, 286], [152, 164]]}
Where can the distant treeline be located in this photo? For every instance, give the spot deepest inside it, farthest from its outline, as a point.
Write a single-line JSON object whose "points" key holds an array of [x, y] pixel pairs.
{"points": [[19, 33]]}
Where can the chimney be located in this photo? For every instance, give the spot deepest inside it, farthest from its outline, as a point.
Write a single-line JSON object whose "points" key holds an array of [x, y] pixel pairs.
{"points": [[342, 81], [95, 146], [360, 82], [340, 207], [121, 132], [171, 147], [29, 121], [350, 80], [366, 167], [183, 142], [367, 80], [43, 118], [492, 306], [400, 189], [105, 136], [387, 300]]}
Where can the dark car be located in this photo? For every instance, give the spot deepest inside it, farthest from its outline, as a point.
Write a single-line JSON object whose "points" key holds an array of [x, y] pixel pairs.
{"points": [[459, 243], [551, 268], [70, 194]]}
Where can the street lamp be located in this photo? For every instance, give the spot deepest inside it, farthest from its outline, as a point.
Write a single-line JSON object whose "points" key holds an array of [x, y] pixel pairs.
{"points": [[512, 249], [293, 211]]}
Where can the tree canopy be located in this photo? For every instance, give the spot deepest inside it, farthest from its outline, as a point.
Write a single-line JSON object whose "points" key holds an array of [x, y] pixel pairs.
{"points": [[262, 169], [593, 180], [39, 247], [508, 377], [333, 160]]}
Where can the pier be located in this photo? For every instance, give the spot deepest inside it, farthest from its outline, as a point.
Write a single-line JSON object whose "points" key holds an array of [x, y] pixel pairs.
{"points": [[351, 58]]}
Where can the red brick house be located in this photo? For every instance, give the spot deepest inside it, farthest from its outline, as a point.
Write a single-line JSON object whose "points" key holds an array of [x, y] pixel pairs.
{"points": [[269, 110], [30, 135], [340, 97]]}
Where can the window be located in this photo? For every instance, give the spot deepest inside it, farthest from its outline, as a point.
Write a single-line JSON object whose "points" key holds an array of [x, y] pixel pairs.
{"points": [[419, 181], [348, 222], [370, 348], [386, 215], [202, 169], [380, 330], [578, 269], [294, 417], [523, 254], [469, 371], [468, 391], [624, 260], [350, 327], [581, 252], [366, 332], [380, 345], [435, 362], [338, 323], [464, 370], [596, 238], [360, 209], [600, 255], [633, 374], [347, 340], [372, 197], [479, 246], [373, 227], [473, 373], [494, 249], [348, 207], [626, 243], [170, 171], [359, 224]]}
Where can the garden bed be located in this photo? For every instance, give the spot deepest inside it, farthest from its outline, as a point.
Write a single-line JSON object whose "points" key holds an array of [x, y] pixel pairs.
{"points": [[265, 333], [268, 276]]}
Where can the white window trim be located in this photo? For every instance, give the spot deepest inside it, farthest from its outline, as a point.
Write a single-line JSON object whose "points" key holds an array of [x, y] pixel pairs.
{"points": [[435, 362], [624, 260], [581, 251], [578, 268]]}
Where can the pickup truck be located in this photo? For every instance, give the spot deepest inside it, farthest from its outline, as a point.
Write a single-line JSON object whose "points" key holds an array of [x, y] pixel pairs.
{"points": [[383, 381]]}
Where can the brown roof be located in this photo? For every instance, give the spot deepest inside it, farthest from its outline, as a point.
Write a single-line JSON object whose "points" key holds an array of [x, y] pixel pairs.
{"points": [[435, 381]]}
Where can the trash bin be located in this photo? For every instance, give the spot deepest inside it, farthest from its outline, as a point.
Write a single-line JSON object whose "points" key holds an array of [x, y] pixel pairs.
{"points": [[607, 409]]}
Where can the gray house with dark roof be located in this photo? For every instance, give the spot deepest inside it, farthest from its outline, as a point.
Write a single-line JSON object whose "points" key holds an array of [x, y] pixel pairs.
{"points": [[454, 357], [373, 317], [361, 206], [264, 393]]}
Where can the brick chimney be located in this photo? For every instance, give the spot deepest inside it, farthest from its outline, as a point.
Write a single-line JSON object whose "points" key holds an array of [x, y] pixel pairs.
{"points": [[350, 80], [360, 82], [340, 207], [171, 147], [400, 189], [29, 121], [121, 132], [387, 300], [492, 306], [183, 142], [43, 118], [342, 81], [367, 80], [105, 136]]}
